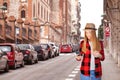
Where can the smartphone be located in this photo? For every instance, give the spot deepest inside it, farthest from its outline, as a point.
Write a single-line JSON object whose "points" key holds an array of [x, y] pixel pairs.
{"points": [[77, 52]]}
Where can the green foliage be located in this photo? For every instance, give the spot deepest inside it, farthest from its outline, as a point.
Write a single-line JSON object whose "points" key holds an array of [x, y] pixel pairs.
{"points": [[100, 32]]}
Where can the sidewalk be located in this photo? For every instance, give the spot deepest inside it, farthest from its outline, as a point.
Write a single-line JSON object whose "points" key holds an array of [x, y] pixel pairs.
{"points": [[110, 69]]}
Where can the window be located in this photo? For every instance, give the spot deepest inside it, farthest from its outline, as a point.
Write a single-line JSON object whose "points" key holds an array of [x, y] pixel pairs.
{"points": [[38, 9], [47, 15], [34, 10], [30, 32], [35, 34], [23, 14], [44, 13], [8, 29], [41, 11], [24, 32]]}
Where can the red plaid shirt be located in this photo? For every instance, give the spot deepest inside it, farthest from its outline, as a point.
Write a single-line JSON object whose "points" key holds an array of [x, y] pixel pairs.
{"points": [[85, 66]]}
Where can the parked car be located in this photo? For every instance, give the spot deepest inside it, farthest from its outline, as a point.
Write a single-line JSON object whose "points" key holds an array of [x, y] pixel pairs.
{"points": [[4, 61], [48, 48], [15, 57], [30, 55], [55, 49], [65, 48], [75, 47], [42, 52]]}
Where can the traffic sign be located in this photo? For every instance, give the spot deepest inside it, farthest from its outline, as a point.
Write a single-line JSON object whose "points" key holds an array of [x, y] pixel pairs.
{"points": [[107, 31]]}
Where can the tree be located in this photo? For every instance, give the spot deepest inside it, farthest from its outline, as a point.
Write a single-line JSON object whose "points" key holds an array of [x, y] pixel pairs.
{"points": [[100, 32]]}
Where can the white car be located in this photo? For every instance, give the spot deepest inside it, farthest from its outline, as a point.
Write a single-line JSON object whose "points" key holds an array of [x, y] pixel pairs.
{"points": [[4, 61], [55, 49]]}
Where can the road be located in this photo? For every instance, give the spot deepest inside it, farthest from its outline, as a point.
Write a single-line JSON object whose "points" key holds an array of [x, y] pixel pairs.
{"points": [[63, 67]]}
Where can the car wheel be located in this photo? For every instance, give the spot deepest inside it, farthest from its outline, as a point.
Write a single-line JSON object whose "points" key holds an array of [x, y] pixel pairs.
{"points": [[23, 64], [15, 65], [58, 54], [31, 60], [43, 57], [50, 56], [6, 68], [36, 60]]}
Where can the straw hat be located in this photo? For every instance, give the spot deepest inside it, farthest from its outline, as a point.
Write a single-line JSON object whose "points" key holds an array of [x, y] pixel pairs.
{"points": [[90, 26]]}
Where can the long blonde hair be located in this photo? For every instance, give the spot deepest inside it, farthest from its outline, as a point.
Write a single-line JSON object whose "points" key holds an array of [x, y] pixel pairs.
{"points": [[95, 42]]}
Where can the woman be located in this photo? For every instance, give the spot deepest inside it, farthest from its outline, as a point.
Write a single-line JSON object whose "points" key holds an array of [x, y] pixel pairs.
{"points": [[91, 53]]}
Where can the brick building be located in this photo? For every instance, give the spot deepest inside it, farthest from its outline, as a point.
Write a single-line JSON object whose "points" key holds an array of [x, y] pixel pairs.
{"points": [[75, 17], [35, 21], [112, 19]]}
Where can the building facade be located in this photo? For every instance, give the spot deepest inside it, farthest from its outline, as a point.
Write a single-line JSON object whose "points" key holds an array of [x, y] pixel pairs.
{"points": [[112, 19], [35, 21], [75, 28]]}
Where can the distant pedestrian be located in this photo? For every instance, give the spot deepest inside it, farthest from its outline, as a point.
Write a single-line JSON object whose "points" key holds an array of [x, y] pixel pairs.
{"points": [[91, 54]]}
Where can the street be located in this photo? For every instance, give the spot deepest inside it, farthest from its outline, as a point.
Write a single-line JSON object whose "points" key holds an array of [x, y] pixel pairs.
{"points": [[63, 67]]}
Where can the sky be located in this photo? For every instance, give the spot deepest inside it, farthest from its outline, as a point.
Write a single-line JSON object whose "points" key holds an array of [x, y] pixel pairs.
{"points": [[91, 11]]}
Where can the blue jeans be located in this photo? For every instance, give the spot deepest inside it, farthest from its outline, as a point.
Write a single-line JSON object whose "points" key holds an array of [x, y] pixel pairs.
{"points": [[91, 77]]}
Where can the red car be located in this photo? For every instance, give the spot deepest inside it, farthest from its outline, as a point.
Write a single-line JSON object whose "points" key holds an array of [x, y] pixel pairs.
{"points": [[15, 57], [65, 48]]}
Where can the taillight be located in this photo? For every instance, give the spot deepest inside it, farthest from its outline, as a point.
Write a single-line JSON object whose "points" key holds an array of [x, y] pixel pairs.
{"points": [[10, 55], [27, 52]]}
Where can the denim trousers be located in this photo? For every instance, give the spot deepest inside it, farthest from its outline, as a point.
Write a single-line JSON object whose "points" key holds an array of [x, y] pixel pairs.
{"points": [[91, 77]]}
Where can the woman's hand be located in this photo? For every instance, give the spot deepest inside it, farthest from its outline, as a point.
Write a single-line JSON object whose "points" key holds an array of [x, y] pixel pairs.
{"points": [[78, 58], [97, 54]]}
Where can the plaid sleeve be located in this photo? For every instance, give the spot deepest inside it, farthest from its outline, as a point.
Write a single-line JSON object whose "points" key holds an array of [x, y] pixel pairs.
{"points": [[80, 49], [102, 51]]}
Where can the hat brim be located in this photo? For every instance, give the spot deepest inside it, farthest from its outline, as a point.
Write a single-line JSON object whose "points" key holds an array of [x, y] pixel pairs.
{"points": [[90, 29]]}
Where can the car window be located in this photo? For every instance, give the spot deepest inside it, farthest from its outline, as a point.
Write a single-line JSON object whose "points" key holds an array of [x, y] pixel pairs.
{"points": [[31, 47], [44, 46], [64, 45], [23, 47], [6, 48], [37, 48]]}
